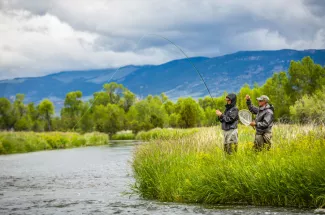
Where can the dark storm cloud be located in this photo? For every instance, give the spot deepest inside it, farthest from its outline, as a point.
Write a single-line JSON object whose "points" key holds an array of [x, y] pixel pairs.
{"points": [[60, 34]]}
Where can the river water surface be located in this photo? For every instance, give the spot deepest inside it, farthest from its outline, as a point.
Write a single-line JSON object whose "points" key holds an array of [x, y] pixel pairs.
{"points": [[92, 180]]}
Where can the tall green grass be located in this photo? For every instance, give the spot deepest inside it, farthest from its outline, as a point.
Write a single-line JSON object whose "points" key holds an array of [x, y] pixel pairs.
{"points": [[195, 169], [19, 142], [123, 135], [165, 134]]}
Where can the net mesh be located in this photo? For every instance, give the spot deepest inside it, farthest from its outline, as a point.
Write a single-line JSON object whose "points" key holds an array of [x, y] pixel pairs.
{"points": [[245, 117]]}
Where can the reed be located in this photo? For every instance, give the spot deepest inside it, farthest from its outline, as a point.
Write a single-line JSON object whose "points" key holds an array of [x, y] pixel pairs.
{"points": [[194, 169], [20, 142]]}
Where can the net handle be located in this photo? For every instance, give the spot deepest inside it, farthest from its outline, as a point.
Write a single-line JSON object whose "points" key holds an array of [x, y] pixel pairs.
{"points": [[242, 119]]}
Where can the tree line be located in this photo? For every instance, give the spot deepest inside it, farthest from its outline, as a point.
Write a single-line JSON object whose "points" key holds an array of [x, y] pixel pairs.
{"points": [[298, 96]]}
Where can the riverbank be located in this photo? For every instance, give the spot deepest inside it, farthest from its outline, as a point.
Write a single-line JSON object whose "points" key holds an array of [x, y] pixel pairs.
{"points": [[91, 180], [165, 134], [194, 169], [21, 142]]}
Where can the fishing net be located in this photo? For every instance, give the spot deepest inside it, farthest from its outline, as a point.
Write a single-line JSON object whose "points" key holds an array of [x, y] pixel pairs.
{"points": [[245, 117]]}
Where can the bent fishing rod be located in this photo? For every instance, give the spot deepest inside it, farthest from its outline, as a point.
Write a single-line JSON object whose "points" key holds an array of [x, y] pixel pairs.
{"points": [[168, 40]]}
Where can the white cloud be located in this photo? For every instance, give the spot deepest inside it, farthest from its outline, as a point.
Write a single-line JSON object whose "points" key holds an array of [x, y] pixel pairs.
{"points": [[267, 40], [39, 37], [37, 44]]}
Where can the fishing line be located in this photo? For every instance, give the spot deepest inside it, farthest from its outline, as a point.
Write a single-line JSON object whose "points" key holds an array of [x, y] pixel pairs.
{"points": [[196, 69]]}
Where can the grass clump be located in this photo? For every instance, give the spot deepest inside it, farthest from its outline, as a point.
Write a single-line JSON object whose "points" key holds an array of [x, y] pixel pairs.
{"points": [[20, 142], [195, 169], [165, 134], [123, 135]]}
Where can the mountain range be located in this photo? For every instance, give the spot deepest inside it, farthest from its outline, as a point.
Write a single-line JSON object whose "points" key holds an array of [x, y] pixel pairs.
{"points": [[177, 78]]}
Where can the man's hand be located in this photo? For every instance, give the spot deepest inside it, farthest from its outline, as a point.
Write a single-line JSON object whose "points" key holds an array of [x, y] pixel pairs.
{"points": [[247, 97], [218, 112], [253, 123]]}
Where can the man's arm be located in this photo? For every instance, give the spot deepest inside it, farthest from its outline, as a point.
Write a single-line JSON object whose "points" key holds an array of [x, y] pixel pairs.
{"points": [[251, 107], [230, 117], [218, 118], [267, 120], [219, 113]]}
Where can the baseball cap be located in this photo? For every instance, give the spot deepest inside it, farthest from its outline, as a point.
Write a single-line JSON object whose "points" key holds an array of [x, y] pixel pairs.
{"points": [[263, 98]]}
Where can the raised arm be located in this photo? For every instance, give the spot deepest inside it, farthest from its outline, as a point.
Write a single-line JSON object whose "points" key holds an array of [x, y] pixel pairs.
{"points": [[251, 107]]}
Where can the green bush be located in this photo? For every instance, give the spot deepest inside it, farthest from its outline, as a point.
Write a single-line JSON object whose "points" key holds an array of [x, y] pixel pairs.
{"points": [[309, 109], [96, 139], [123, 136]]}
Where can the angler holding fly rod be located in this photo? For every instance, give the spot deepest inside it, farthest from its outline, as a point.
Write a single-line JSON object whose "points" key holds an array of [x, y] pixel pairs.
{"points": [[229, 122], [230, 117]]}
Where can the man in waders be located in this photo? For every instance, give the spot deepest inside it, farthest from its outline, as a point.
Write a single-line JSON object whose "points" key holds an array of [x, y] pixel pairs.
{"points": [[263, 122], [229, 122]]}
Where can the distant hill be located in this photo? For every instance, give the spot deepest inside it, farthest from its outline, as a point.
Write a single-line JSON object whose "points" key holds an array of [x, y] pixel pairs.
{"points": [[176, 78]]}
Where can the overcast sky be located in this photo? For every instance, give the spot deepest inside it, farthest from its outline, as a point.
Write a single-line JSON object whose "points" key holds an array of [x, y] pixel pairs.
{"points": [[39, 37]]}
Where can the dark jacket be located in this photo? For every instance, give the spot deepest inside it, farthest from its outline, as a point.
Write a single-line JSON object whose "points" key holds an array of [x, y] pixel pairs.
{"points": [[229, 119], [264, 117]]}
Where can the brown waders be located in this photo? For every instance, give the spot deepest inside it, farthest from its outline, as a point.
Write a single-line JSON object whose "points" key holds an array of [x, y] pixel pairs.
{"points": [[263, 141]]}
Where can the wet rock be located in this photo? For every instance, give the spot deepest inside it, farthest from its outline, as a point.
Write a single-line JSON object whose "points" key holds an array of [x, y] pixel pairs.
{"points": [[185, 209], [319, 211]]}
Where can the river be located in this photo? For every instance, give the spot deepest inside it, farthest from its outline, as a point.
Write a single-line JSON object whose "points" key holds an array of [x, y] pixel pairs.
{"points": [[91, 180]]}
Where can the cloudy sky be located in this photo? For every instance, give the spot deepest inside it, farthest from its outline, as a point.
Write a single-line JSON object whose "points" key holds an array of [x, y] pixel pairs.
{"points": [[39, 37]]}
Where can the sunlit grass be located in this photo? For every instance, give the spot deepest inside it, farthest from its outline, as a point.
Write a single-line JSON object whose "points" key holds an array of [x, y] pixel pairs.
{"points": [[19, 142], [165, 134], [195, 168], [123, 135]]}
